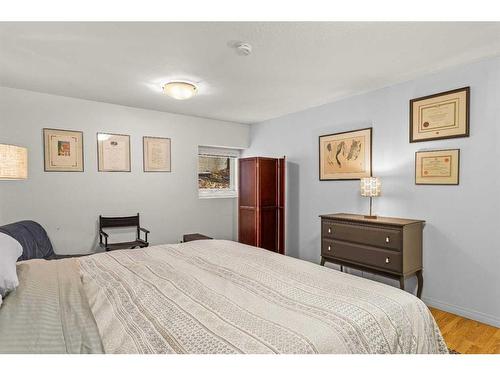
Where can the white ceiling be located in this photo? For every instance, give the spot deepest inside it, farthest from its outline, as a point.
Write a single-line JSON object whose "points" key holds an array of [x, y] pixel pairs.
{"points": [[293, 66]]}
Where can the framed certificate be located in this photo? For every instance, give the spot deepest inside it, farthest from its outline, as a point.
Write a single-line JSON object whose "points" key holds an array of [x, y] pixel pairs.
{"points": [[157, 155], [345, 156], [439, 167], [113, 152], [440, 116], [63, 150]]}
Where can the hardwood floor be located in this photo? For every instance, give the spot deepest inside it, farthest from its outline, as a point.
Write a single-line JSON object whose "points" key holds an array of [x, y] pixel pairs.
{"points": [[467, 336]]}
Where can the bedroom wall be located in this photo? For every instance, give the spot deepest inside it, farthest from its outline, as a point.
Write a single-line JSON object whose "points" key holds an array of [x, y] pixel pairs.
{"points": [[461, 247], [67, 204]]}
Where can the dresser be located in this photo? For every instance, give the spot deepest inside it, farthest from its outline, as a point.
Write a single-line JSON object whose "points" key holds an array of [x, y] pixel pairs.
{"points": [[388, 246]]}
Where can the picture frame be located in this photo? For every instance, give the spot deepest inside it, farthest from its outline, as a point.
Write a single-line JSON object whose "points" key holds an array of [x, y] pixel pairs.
{"points": [[62, 150], [440, 116], [157, 154], [437, 167], [113, 152], [346, 155]]}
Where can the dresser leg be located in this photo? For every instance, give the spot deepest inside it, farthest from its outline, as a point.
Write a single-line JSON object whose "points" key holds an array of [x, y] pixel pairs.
{"points": [[322, 261], [341, 268], [420, 281], [402, 282]]}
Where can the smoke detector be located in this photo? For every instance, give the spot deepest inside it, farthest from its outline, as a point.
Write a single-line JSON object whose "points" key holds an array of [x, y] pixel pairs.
{"points": [[243, 49]]}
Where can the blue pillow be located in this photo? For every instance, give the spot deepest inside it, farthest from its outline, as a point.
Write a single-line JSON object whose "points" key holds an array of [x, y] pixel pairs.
{"points": [[32, 237]]}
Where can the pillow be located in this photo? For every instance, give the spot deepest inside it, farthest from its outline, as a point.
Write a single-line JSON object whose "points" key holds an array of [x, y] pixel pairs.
{"points": [[32, 237], [10, 250]]}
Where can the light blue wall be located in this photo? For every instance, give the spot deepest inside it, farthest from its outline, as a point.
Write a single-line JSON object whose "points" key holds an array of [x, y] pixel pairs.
{"points": [[67, 204], [461, 238]]}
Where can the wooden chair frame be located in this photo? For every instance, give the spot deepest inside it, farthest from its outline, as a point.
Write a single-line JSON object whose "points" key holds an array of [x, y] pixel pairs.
{"points": [[121, 222]]}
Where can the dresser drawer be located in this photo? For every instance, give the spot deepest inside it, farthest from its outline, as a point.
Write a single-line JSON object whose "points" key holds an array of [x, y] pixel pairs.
{"points": [[327, 229], [327, 247], [365, 234], [362, 254]]}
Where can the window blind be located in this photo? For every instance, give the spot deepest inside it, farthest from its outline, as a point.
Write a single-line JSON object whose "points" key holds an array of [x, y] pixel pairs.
{"points": [[219, 151]]}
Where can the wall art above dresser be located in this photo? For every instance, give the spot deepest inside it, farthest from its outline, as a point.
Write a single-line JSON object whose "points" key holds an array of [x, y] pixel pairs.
{"points": [[346, 155], [440, 116]]}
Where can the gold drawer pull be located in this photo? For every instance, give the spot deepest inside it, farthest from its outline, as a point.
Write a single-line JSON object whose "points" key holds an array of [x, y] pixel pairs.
{"points": [[329, 230], [387, 239], [329, 248], [387, 260]]}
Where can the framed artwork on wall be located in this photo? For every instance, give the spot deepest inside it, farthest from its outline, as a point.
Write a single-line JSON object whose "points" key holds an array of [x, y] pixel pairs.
{"points": [[113, 152], [63, 150], [156, 154], [345, 156], [437, 167], [440, 116]]}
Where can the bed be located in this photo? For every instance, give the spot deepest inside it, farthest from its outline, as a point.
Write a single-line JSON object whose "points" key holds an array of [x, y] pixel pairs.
{"points": [[207, 296]]}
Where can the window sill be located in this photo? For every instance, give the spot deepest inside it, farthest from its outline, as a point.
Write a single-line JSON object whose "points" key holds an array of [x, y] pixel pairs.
{"points": [[210, 194]]}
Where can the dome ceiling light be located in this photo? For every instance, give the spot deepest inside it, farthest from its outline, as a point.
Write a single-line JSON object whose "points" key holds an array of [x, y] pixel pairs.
{"points": [[180, 90]]}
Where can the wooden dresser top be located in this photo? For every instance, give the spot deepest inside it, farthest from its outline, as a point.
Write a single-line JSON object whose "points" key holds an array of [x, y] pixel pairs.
{"points": [[379, 220]]}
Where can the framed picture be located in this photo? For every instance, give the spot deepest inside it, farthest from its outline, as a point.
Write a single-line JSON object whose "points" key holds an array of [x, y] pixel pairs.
{"points": [[156, 154], [63, 150], [345, 156], [113, 152], [438, 167], [440, 116]]}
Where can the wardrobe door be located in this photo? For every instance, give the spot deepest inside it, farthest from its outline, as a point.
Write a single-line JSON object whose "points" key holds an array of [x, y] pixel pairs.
{"points": [[247, 202], [268, 235], [281, 204], [268, 203], [247, 226]]}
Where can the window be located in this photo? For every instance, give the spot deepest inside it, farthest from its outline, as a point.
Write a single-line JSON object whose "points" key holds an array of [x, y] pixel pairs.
{"points": [[217, 172]]}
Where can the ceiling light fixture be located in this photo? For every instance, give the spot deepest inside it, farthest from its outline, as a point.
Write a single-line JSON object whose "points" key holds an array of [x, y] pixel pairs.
{"points": [[180, 90]]}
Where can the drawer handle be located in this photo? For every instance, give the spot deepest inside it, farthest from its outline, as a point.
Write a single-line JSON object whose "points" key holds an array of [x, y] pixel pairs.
{"points": [[387, 239], [329, 230], [387, 260], [329, 248]]}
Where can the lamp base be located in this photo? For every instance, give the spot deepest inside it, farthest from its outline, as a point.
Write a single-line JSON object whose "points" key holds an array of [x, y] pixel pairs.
{"points": [[370, 216]]}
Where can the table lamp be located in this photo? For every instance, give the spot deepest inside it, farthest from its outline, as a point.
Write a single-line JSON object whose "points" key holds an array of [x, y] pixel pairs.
{"points": [[370, 187], [13, 162]]}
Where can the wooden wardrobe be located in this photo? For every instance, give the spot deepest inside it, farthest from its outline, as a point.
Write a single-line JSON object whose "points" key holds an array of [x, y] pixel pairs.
{"points": [[261, 203]]}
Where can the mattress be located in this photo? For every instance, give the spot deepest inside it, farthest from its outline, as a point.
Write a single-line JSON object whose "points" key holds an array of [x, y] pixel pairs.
{"points": [[208, 297]]}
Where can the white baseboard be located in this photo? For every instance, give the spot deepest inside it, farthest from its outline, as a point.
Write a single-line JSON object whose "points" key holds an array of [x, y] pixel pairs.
{"points": [[467, 313]]}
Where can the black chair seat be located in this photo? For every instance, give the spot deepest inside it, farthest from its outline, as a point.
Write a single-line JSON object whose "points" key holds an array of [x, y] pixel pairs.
{"points": [[126, 245]]}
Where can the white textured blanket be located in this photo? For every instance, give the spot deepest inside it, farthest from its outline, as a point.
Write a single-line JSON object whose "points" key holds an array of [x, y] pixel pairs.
{"points": [[48, 313], [224, 297]]}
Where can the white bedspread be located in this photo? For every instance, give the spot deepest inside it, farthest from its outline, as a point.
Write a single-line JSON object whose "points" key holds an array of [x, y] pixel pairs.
{"points": [[224, 297]]}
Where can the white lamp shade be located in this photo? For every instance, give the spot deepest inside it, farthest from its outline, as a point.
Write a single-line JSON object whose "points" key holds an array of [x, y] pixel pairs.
{"points": [[370, 187], [13, 162]]}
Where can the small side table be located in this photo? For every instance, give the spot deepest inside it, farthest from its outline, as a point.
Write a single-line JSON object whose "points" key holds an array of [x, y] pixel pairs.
{"points": [[194, 237]]}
